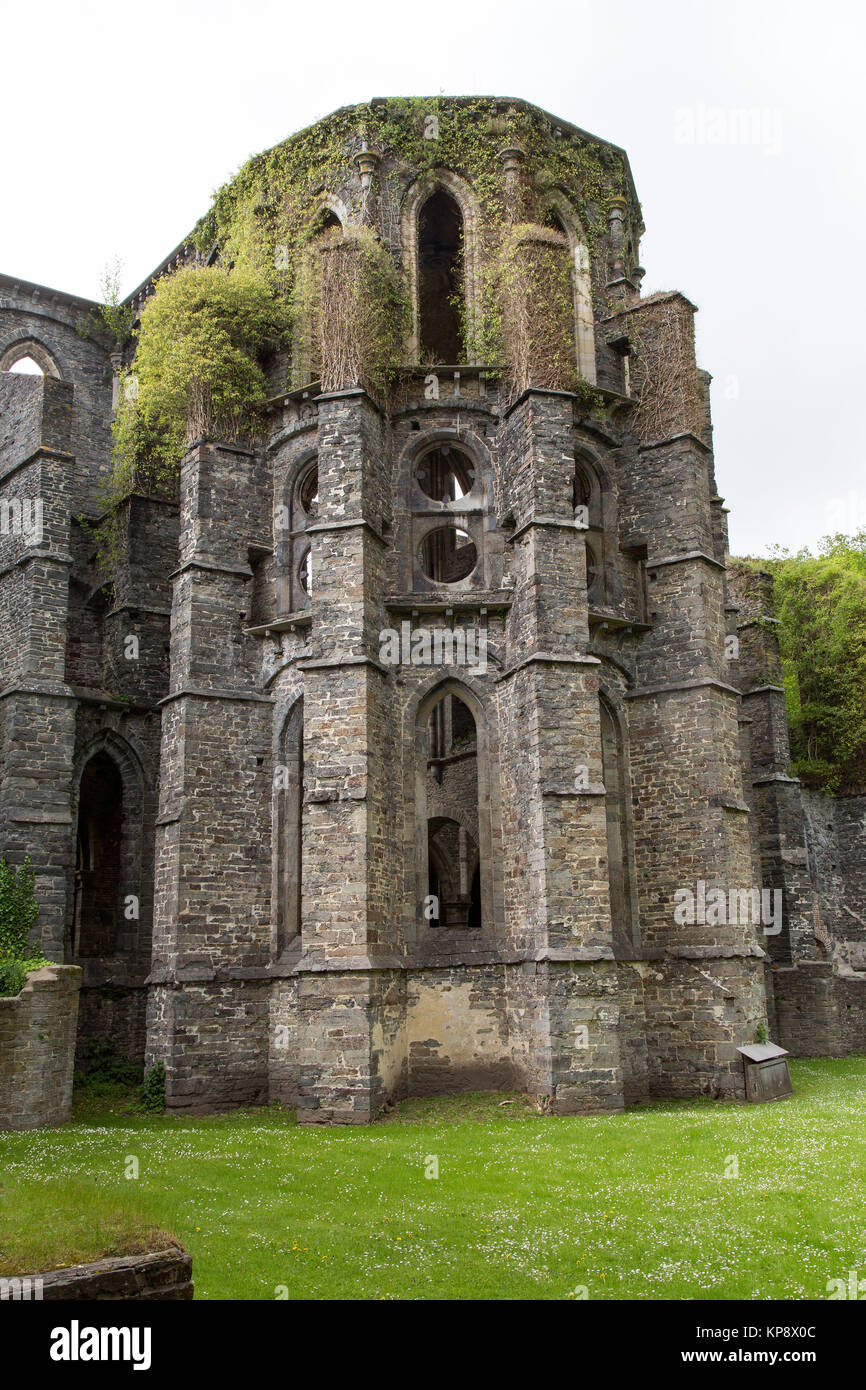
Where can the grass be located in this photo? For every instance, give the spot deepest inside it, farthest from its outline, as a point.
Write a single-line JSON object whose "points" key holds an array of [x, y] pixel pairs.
{"points": [[631, 1206]]}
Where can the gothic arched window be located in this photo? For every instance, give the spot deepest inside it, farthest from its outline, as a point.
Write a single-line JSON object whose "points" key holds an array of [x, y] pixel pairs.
{"points": [[587, 502], [294, 552], [440, 290]]}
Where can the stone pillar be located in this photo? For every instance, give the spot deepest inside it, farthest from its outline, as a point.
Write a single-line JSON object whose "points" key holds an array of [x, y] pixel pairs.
{"points": [[780, 831], [690, 813], [511, 160], [352, 1056], [37, 707], [208, 1012], [367, 162], [563, 998]]}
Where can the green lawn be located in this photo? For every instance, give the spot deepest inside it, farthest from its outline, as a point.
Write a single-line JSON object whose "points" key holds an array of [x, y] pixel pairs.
{"points": [[632, 1206]]}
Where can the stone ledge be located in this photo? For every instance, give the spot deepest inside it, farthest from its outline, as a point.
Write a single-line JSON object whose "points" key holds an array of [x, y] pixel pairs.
{"points": [[163, 1274]]}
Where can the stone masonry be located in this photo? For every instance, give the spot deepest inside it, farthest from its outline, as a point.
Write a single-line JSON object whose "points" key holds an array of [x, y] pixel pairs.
{"points": [[292, 867]]}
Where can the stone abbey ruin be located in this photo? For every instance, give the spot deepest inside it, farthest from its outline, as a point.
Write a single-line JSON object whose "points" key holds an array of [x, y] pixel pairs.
{"points": [[421, 737]]}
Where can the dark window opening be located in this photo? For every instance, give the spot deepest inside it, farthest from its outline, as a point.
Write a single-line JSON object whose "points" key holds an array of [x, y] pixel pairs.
{"points": [[305, 572], [440, 242], [98, 858], [445, 474], [308, 492], [582, 493], [447, 555], [328, 225], [454, 878], [553, 220], [453, 818]]}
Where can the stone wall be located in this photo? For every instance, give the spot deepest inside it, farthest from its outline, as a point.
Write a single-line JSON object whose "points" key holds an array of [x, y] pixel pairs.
{"points": [[37, 1048]]}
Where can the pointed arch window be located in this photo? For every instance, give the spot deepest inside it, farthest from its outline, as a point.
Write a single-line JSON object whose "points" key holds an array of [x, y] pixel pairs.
{"points": [[588, 516], [294, 551], [441, 305]]}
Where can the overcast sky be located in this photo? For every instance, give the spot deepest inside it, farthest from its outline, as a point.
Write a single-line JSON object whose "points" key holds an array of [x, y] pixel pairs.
{"points": [[743, 121]]}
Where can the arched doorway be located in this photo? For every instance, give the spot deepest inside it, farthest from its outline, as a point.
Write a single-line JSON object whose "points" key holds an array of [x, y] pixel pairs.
{"points": [[98, 868]]}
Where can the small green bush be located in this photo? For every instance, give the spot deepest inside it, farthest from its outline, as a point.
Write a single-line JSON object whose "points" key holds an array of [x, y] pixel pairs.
{"points": [[18, 909], [153, 1090], [13, 973], [12, 977]]}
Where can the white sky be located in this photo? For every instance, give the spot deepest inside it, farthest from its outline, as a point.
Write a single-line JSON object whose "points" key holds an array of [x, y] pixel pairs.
{"points": [[119, 124]]}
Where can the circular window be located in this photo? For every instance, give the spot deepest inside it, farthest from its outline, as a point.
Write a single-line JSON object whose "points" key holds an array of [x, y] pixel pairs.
{"points": [[447, 555], [445, 474], [308, 492], [305, 571]]}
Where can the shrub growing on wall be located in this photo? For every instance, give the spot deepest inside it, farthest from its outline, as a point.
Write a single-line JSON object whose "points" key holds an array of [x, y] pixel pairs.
{"points": [[203, 336]]}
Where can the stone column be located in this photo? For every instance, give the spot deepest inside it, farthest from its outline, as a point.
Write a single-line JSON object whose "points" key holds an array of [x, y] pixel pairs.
{"points": [[208, 1012], [37, 707], [563, 998], [690, 813], [351, 987]]}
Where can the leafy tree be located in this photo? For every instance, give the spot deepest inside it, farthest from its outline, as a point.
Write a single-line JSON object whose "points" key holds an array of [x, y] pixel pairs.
{"points": [[820, 601]]}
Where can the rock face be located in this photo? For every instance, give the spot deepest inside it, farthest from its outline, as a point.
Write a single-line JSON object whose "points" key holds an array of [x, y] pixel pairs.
{"points": [[404, 739], [37, 1049]]}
